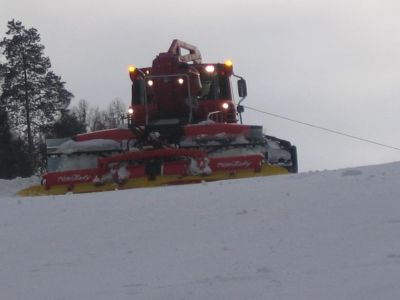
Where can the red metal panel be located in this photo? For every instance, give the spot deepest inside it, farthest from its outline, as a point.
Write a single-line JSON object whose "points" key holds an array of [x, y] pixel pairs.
{"points": [[70, 177], [150, 154], [136, 171], [233, 163], [175, 167]]}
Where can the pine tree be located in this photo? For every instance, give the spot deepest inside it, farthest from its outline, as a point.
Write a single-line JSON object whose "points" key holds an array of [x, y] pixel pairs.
{"points": [[32, 94], [68, 125], [14, 157], [81, 111]]}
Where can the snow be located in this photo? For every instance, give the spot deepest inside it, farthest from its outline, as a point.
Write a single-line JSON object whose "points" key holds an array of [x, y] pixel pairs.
{"points": [[317, 235], [205, 122], [71, 155], [10, 187], [199, 167], [71, 146]]}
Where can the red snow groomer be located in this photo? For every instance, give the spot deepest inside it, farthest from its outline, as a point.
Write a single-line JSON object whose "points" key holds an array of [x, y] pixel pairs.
{"points": [[183, 127]]}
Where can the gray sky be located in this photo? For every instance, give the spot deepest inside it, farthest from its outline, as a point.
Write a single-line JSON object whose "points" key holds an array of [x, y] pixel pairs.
{"points": [[331, 63]]}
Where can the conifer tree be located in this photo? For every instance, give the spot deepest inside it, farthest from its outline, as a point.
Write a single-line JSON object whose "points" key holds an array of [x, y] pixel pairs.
{"points": [[81, 111], [33, 95], [68, 125], [14, 158]]}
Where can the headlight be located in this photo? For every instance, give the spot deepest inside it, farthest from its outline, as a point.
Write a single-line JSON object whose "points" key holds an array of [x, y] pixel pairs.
{"points": [[130, 110], [225, 105], [210, 69]]}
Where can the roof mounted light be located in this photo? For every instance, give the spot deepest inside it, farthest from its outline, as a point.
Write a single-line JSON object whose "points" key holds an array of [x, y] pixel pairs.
{"points": [[210, 69], [131, 69], [228, 63]]}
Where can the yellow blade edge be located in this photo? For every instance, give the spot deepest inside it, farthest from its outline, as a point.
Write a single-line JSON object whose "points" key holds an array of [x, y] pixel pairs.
{"points": [[143, 182]]}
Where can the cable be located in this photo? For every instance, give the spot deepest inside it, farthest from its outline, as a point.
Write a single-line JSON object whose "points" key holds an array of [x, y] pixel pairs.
{"points": [[323, 128]]}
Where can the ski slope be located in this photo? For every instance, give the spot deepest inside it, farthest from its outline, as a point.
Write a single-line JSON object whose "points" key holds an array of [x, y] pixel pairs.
{"points": [[318, 235]]}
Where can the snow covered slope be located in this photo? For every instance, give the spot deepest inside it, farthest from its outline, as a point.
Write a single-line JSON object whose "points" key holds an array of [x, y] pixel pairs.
{"points": [[322, 235]]}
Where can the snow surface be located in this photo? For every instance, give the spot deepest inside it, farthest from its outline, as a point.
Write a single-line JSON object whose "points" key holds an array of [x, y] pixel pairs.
{"points": [[71, 146], [320, 235]]}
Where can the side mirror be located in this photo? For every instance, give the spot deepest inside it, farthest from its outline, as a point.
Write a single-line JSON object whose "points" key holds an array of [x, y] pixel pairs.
{"points": [[242, 88], [240, 109]]}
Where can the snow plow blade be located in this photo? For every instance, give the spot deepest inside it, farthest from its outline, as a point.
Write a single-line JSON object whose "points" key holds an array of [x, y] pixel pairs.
{"points": [[145, 182]]}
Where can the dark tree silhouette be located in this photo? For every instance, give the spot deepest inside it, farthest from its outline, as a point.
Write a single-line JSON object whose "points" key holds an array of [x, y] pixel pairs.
{"points": [[31, 93]]}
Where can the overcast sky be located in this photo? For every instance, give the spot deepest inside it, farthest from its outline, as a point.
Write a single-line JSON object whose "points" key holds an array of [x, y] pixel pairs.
{"points": [[334, 63]]}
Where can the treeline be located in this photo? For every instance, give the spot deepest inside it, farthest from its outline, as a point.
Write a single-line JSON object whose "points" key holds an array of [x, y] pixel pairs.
{"points": [[35, 105], [94, 118]]}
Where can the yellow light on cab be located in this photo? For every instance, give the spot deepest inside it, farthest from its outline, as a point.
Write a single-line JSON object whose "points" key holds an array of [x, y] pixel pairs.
{"points": [[131, 69], [228, 63]]}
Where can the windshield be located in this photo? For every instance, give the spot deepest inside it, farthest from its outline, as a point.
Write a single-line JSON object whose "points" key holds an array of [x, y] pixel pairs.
{"points": [[214, 87]]}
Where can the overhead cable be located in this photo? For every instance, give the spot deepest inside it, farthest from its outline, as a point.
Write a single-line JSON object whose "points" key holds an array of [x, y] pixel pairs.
{"points": [[323, 128]]}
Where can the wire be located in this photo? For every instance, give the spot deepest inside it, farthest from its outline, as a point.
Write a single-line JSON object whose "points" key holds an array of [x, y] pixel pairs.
{"points": [[323, 128]]}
